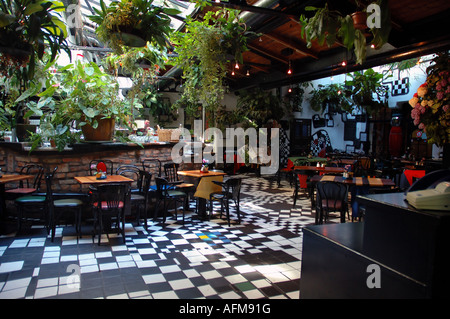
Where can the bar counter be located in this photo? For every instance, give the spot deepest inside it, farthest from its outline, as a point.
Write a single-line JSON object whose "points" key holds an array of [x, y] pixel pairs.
{"points": [[409, 246], [75, 160]]}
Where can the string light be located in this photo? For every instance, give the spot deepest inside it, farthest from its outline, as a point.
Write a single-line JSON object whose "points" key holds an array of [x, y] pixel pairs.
{"points": [[289, 71], [248, 73], [232, 72], [372, 46], [290, 90], [236, 66], [344, 63]]}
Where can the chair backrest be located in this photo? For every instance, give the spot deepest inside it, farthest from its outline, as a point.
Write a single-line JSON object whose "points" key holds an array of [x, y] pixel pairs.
{"points": [[112, 196], [32, 169], [146, 179], [48, 183], [162, 187], [93, 166], [133, 172], [170, 171], [152, 165], [232, 186], [331, 192]]}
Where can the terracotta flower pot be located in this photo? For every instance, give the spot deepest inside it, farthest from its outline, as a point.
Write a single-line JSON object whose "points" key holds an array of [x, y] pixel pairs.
{"points": [[359, 20], [103, 133]]}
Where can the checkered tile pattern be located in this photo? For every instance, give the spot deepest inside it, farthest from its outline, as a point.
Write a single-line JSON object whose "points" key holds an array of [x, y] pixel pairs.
{"points": [[259, 258]]}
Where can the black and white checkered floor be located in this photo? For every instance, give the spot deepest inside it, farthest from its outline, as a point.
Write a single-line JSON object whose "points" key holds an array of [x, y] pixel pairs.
{"points": [[259, 258]]}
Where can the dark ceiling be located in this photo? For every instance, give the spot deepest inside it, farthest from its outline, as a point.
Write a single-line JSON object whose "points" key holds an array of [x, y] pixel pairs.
{"points": [[419, 27]]}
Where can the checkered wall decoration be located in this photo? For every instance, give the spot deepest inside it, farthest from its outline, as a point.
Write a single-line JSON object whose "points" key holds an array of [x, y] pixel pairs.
{"points": [[400, 87]]}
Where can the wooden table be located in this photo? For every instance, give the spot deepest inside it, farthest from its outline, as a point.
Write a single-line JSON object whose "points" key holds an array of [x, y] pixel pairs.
{"points": [[326, 169], [4, 179], [357, 185], [88, 180], [199, 175]]}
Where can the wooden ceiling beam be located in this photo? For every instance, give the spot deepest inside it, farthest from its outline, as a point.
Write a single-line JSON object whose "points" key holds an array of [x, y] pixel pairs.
{"points": [[267, 54], [298, 47]]}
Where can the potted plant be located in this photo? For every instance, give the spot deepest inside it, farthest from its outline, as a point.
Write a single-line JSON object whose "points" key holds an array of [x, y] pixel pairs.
{"points": [[332, 26], [332, 97], [367, 90], [89, 96], [133, 23]]}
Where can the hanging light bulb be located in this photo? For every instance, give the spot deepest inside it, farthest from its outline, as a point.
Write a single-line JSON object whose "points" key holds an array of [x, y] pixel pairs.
{"points": [[248, 73], [236, 66], [372, 46], [217, 1], [344, 63], [289, 71], [232, 72], [290, 90]]}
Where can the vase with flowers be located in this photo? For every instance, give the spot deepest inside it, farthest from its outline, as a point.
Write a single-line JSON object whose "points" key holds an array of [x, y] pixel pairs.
{"points": [[431, 103], [205, 166]]}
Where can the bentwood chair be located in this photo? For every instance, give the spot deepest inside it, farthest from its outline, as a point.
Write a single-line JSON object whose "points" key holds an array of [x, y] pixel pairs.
{"points": [[301, 182], [165, 194], [34, 204], [231, 189], [331, 197], [112, 201], [171, 175], [27, 187], [57, 208], [140, 191]]}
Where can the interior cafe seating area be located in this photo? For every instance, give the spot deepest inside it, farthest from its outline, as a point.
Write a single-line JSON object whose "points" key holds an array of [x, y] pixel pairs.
{"points": [[224, 150]]}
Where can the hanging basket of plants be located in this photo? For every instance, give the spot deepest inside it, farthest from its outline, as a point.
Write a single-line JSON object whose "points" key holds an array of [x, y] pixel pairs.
{"points": [[133, 23]]}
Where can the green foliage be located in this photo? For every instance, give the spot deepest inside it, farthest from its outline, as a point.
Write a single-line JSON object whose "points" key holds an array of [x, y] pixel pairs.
{"points": [[133, 23], [330, 94], [364, 86], [329, 26], [84, 92], [204, 52], [30, 26], [257, 107]]}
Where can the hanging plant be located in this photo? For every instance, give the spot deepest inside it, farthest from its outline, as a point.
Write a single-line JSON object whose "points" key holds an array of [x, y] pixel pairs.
{"points": [[330, 96], [329, 26], [133, 23], [367, 90], [204, 53]]}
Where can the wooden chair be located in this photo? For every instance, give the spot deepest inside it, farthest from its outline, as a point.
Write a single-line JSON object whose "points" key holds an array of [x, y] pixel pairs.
{"points": [[27, 187], [140, 190], [58, 207], [112, 202], [38, 203], [331, 197], [231, 189], [165, 193]]}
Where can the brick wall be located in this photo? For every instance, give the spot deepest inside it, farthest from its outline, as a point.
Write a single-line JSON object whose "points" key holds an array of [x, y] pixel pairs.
{"points": [[71, 164]]}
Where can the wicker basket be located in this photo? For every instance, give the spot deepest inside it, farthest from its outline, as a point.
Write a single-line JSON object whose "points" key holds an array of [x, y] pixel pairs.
{"points": [[165, 135]]}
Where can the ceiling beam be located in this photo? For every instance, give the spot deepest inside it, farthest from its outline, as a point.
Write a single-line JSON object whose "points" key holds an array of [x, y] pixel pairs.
{"points": [[250, 8], [299, 47], [266, 53]]}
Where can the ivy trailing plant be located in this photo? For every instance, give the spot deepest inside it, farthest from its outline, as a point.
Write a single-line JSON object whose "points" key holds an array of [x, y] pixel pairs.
{"points": [[205, 50], [331, 26]]}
